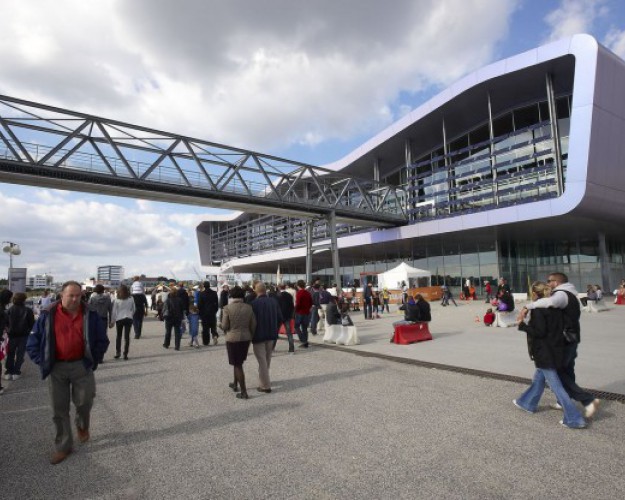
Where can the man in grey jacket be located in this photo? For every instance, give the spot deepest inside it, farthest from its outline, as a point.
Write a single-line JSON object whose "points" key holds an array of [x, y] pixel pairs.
{"points": [[101, 303]]}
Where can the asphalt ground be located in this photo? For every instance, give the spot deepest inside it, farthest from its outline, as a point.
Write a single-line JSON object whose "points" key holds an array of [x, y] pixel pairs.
{"points": [[165, 424]]}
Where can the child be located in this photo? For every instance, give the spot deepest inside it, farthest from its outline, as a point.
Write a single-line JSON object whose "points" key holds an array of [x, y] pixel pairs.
{"points": [[194, 325], [489, 317], [375, 299]]}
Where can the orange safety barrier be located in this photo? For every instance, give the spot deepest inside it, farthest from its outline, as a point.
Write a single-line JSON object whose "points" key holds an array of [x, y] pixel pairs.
{"points": [[409, 334]]}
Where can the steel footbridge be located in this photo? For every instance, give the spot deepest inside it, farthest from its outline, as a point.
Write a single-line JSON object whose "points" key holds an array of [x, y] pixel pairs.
{"points": [[47, 146]]}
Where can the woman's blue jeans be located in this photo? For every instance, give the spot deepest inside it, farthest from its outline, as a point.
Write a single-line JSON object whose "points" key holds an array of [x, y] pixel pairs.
{"points": [[531, 397]]}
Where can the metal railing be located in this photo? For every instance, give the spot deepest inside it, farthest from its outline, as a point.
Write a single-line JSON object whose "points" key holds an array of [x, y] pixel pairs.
{"points": [[39, 142]]}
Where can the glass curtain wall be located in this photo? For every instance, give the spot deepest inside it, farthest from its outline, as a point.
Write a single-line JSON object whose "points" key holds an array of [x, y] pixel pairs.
{"points": [[516, 166]]}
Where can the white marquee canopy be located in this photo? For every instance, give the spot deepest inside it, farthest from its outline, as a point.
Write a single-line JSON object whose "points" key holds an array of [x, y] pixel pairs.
{"points": [[393, 278]]}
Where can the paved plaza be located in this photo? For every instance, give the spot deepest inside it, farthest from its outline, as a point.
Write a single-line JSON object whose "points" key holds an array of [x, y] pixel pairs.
{"points": [[337, 425]]}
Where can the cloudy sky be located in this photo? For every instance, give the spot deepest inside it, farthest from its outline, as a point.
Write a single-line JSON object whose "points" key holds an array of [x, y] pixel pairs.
{"points": [[307, 81]]}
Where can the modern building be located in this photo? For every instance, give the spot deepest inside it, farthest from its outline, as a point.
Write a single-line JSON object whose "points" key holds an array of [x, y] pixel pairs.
{"points": [[110, 275], [39, 281], [516, 170]]}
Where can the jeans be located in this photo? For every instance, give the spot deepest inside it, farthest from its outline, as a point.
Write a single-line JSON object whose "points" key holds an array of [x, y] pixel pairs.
{"points": [[385, 306], [289, 334], [301, 327], [447, 298], [123, 325], [137, 322], [15, 355], [567, 376], [314, 319], [530, 398], [175, 324]]}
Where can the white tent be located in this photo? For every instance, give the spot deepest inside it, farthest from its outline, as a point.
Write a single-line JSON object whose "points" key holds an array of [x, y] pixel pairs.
{"points": [[403, 272]]}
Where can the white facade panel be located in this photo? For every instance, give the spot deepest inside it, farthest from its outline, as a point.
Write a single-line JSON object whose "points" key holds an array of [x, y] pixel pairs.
{"points": [[521, 61]]}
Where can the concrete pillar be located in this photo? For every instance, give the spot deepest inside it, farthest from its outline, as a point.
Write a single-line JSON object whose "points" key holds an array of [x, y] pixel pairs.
{"points": [[336, 265], [604, 262], [309, 238]]}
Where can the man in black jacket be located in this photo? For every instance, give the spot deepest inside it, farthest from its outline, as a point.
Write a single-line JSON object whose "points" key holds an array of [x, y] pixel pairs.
{"points": [[287, 308], [208, 305]]}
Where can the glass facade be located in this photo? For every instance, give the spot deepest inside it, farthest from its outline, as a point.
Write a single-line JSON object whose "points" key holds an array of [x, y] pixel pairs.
{"points": [[512, 161], [520, 262]]}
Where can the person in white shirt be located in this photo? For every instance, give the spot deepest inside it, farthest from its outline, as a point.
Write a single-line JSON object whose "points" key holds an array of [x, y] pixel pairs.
{"points": [[121, 317], [45, 300], [137, 286]]}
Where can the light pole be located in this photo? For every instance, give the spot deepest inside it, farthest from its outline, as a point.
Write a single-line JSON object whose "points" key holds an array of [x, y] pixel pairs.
{"points": [[12, 249]]}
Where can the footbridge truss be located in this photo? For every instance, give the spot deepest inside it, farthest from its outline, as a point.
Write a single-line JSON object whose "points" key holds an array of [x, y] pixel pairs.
{"points": [[46, 146]]}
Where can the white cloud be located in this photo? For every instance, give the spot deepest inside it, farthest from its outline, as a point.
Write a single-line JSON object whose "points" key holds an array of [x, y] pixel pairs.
{"points": [[574, 16], [261, 75], [615, 41], [144, 205], [51, 195], [84, 234]]}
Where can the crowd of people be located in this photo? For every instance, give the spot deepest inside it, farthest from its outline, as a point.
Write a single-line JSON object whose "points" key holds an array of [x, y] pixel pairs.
{"points": [[68, 340]]}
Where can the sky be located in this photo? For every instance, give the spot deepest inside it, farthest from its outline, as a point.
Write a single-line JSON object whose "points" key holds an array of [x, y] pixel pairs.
{"points": [[308, 81]]}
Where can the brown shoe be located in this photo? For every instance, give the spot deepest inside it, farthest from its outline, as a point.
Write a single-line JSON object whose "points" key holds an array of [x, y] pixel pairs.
{"points": [[83, 434], [58, 456]]}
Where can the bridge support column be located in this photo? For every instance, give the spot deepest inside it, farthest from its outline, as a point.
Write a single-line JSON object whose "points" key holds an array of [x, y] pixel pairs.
{"points": [[309, 251], [336, 265]]}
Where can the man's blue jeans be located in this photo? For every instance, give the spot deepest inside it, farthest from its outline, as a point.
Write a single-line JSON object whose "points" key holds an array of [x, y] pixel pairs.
{"points": [[301, 327], [289, 334], [314, 319], [531, 397]]}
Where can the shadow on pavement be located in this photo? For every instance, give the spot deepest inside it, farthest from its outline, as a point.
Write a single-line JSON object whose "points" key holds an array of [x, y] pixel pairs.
{"points": [[199, 425], [298, 383]]}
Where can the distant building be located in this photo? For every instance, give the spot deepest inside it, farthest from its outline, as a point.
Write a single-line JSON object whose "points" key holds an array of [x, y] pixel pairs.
{"points": [[110, 275], [39, 281]]}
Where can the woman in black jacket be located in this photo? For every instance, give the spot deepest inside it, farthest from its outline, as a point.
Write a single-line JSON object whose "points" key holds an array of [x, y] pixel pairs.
{"points": [[425, 313], [546, 344], [20, 323]]}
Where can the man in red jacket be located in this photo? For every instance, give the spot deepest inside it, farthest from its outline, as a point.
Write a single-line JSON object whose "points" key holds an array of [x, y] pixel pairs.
{"points": [[303, 305]]}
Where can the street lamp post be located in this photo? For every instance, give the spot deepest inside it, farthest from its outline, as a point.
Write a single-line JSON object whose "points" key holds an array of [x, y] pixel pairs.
{"points": [[12, 249]]}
